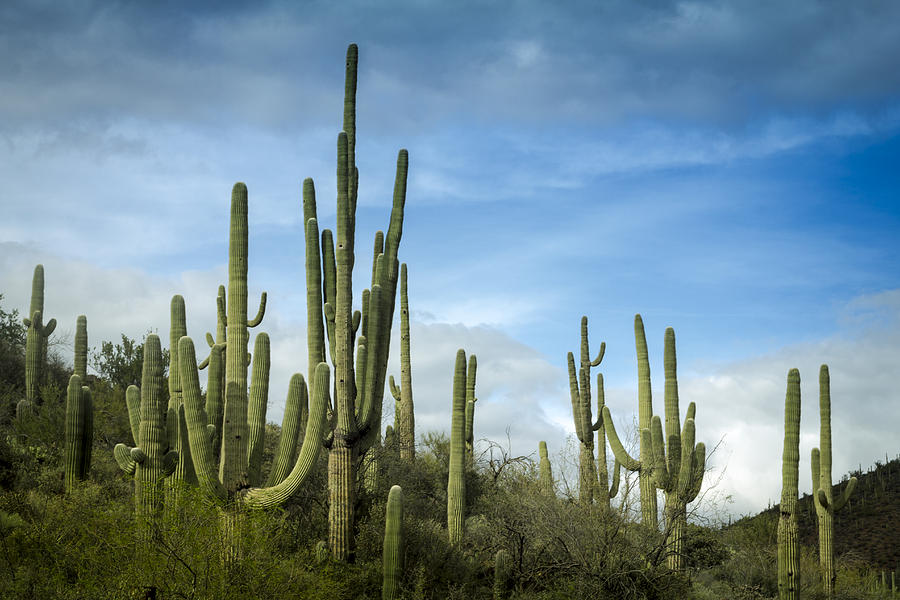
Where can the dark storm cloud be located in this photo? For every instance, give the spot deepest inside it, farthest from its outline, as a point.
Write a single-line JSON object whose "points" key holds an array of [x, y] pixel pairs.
{"points": [[277, 65]]}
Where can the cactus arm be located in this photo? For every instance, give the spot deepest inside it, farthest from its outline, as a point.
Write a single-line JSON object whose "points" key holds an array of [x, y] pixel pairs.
{"points": [[170, 463], [375, 340], [688, 436], [618, 449], [133, 404], [315, 328], [203, 363], [309, 452], [198, 438], [215, 389], [575, 397], [295, 407], [392, 552], [596, 362], [357, 317], [395, 391], [256, 409], [661, 474], [816, 478], [260, 313], [48, 328], [329, 287], [698, 470], [617, 469], [122, 454], [210, 340]]}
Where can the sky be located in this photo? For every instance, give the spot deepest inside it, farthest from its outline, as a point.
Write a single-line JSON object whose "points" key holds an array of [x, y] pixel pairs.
{"points": [[724, 168]]}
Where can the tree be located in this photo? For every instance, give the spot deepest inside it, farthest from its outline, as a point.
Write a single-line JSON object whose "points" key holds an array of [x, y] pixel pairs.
{"points": [[121, 364]]}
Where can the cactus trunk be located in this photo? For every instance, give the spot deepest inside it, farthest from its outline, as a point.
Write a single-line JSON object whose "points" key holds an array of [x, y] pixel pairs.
{"points": [[456, 482], [392, 553], [79, 432]]}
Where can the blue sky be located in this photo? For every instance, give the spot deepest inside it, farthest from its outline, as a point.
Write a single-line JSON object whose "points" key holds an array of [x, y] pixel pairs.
{"points": [[724, 168]]}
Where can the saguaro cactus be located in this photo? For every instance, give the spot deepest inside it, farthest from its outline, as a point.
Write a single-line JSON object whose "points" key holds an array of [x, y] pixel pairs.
{"points": [[644, 466], [580, 393], [456, 482], [823, 497], [605, 491], [470, 411], [788, 542], [79, 432], [151, 460], [35, 342], [392, 554], [176, 429], [546, 472], [680, 474], [355, 424], [81, 344], [406, 428]]}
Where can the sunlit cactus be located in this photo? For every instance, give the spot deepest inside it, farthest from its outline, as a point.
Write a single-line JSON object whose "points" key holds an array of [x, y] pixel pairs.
{"points": [[825, 502], [788, 539]]}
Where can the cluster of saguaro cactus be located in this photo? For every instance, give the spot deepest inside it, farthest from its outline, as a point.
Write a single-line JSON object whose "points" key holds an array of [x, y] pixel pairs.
{"points": [[360, 361], [150, 460], [788, 541], [456, 482], [680, 463], [392, 552], [79, 431], [36, 338], [405, 429], [644, 464], [545, 471], [825, 502]]}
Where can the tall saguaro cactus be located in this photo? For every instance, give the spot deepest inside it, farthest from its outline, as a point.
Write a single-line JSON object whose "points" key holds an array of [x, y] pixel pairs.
{"points": [[355, 420], [79, 432], [456, 481], [150, 460], [680, 474], [406, 427], [644, 466], [788, 540], [823, 497], [36, 338], [392, 552]]}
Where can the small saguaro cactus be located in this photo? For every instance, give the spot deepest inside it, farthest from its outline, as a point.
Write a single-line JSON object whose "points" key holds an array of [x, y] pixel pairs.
{"points": [[788, 539], [680, 474], [79, 432], [151, 460], [36, 338], [644, 466], [470, 411], [456, 482], [392, 553], [825, 502], [406, 428], [546, 472], [502, 574]]}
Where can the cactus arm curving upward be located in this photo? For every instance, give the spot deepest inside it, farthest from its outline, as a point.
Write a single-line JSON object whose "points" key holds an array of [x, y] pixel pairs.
{"points": [[256, 409], [296, 413], [470, 410]]}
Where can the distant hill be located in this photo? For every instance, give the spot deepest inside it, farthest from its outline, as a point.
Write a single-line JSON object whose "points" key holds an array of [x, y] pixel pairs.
{"points": [[867, 529]]}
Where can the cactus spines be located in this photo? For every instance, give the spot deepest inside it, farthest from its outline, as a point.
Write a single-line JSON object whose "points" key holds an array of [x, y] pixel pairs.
{"points": [[823, 496], [81, 344], [680, 463], [644, 465], [405, 430], [355, 421], [502, 574], [546, 472], [79, 432], [456, 482], [392, 554], [151, 460], [36, 338], [470, 410], [788, 542]]}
